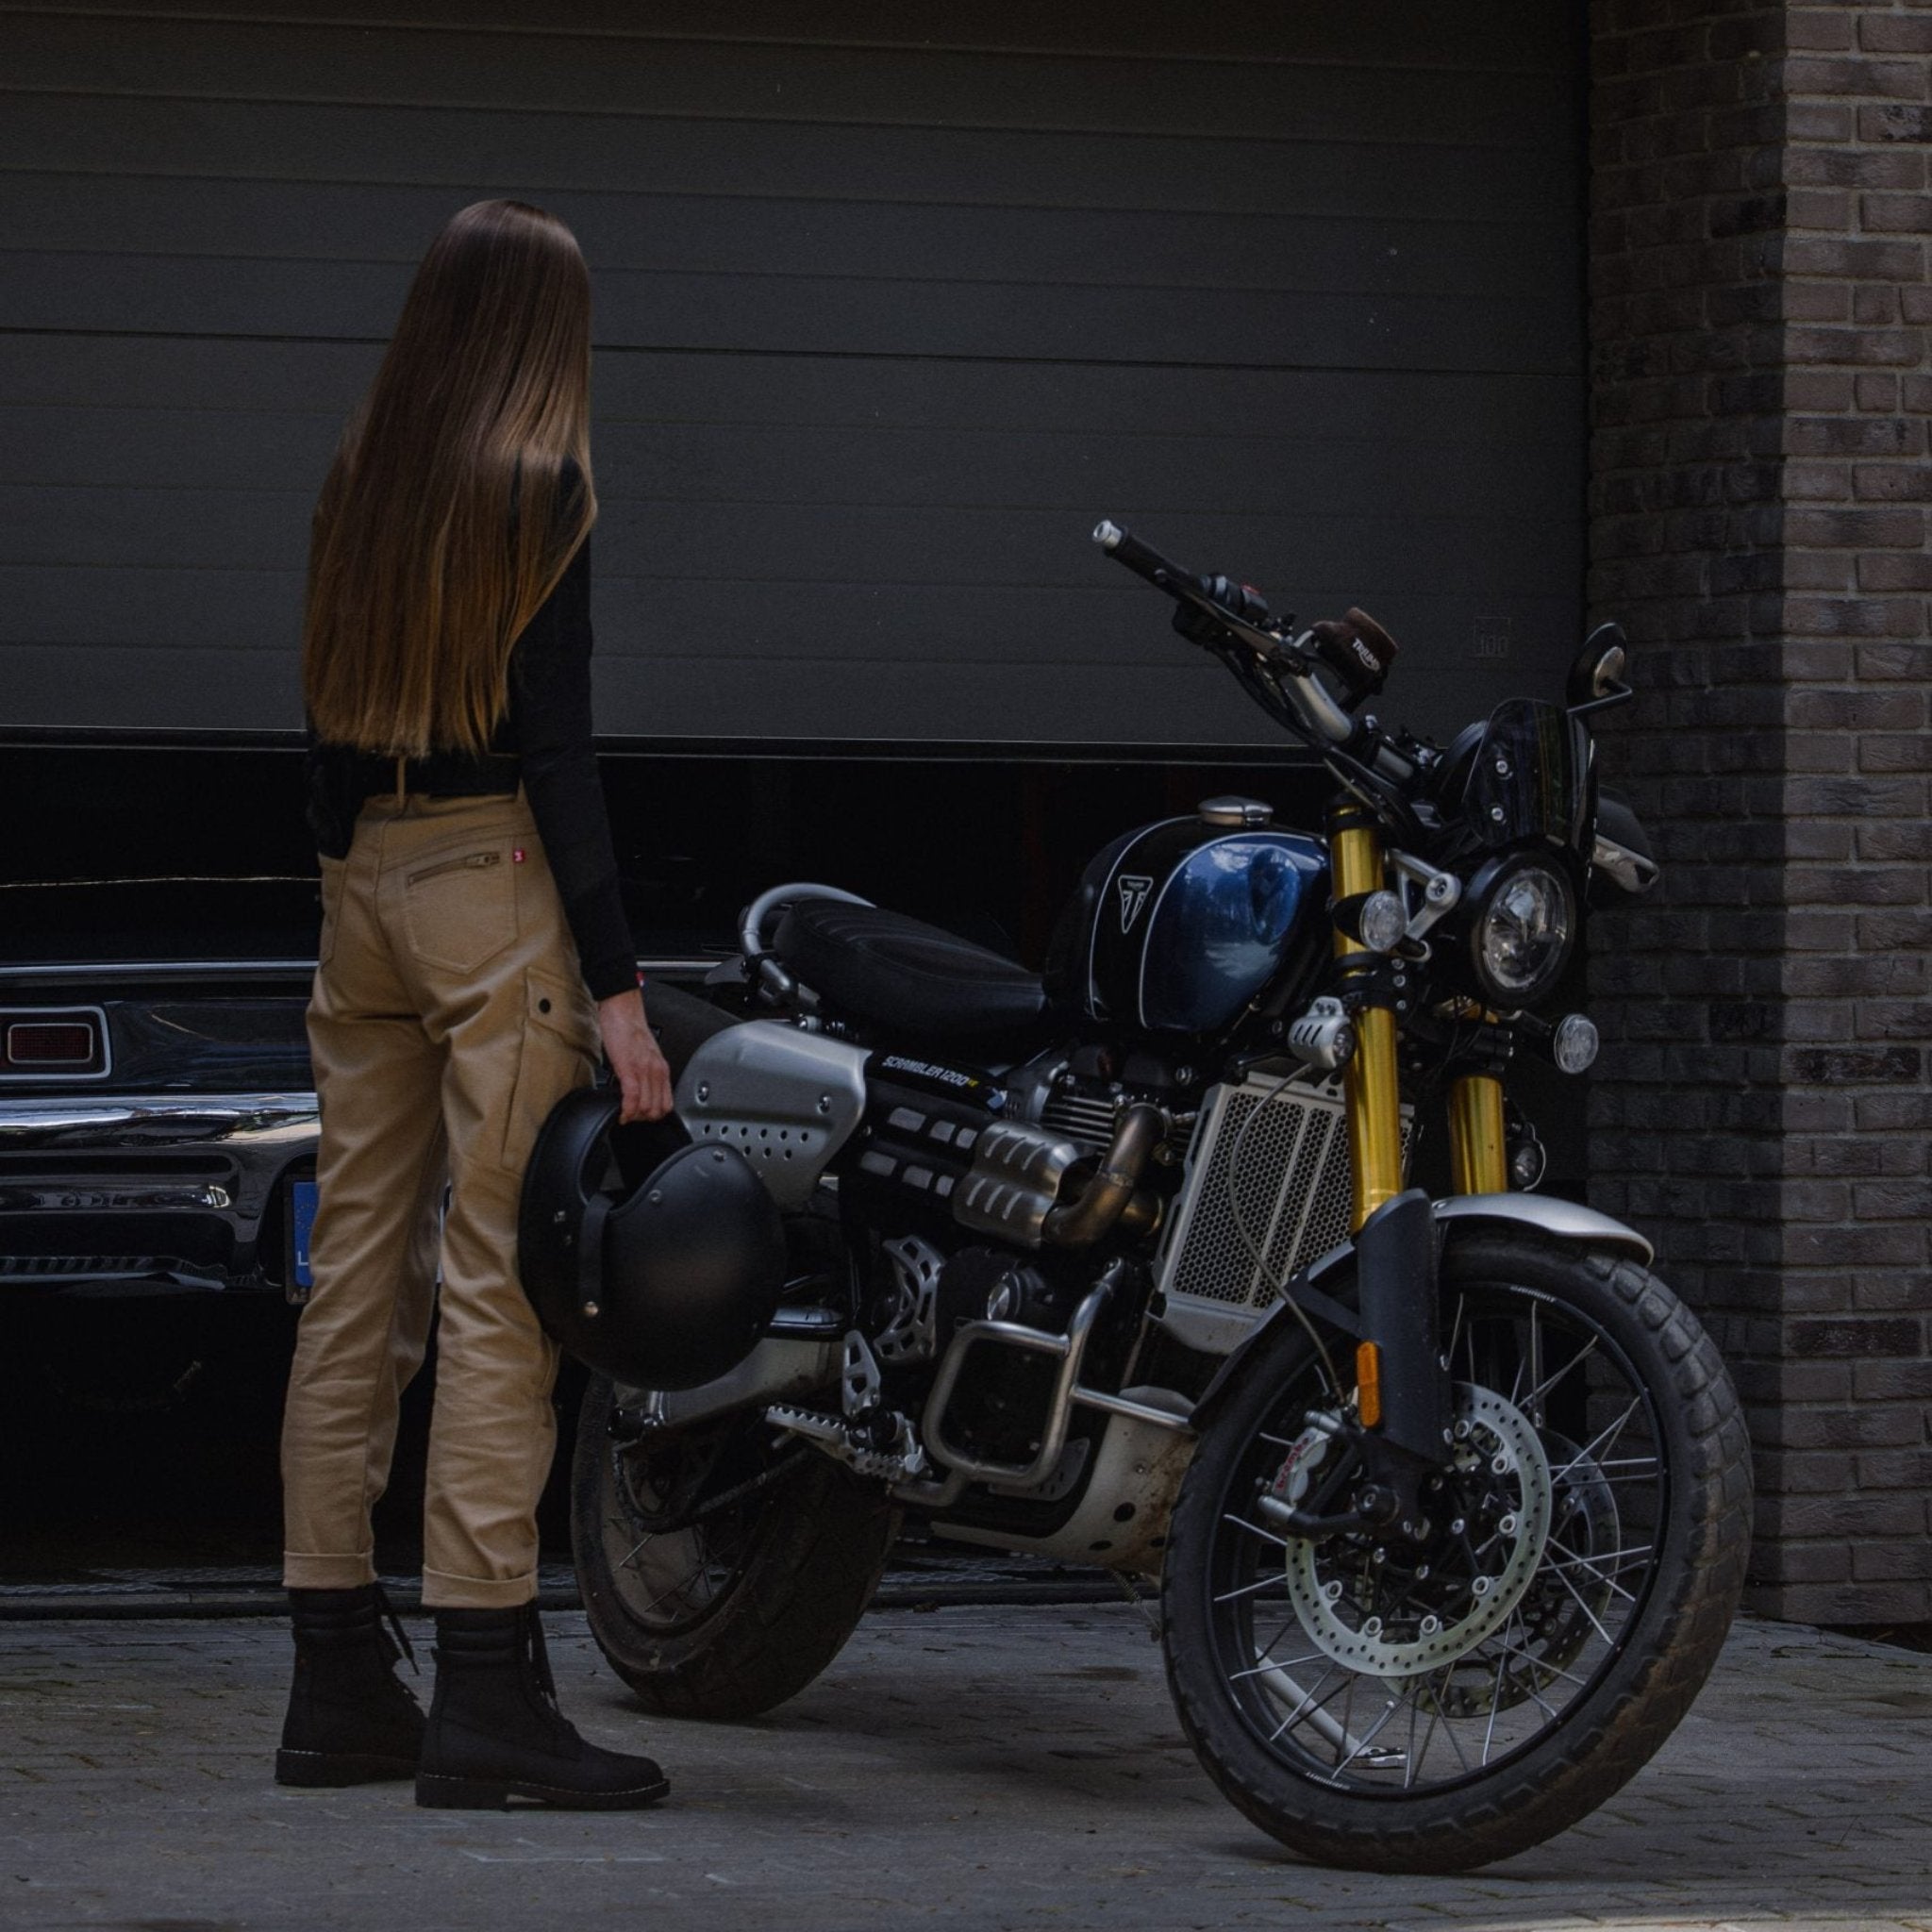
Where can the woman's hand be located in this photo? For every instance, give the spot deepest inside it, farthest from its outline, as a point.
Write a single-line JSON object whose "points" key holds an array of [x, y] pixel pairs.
{"points": [[633, 1053]]}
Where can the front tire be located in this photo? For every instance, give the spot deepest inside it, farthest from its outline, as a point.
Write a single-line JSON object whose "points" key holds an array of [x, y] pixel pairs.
{"points": [[739, 1607], [1316, 1681]]}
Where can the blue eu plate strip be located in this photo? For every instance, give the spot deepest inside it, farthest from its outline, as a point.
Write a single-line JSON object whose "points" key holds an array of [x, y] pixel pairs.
{"points": [[305, 1219]]}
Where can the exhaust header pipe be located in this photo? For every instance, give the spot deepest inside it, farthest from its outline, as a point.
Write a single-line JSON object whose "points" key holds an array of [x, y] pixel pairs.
{"points": [[1102, 1204]]}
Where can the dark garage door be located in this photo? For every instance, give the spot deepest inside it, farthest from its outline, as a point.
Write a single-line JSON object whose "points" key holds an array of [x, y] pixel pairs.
{"points": [[889, 312]]}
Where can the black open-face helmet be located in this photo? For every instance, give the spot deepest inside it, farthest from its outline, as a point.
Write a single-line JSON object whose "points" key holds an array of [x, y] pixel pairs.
{"points": [[654, 1260]]}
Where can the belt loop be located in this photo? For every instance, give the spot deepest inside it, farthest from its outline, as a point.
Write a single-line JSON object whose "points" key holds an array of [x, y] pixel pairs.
{"points": [[400, 762]]}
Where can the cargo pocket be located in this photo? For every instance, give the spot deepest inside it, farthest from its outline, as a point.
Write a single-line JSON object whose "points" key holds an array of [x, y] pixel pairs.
{"points": [[333, 871], [557, 1054], [459, 907]]}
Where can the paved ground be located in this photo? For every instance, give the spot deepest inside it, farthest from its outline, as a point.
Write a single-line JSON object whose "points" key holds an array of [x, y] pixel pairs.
{"points": [[980, 1766], [918, 1575]]}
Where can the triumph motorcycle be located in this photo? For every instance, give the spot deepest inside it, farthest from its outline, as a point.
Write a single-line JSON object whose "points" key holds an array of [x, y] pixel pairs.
{"points": [[1120, 1263]]}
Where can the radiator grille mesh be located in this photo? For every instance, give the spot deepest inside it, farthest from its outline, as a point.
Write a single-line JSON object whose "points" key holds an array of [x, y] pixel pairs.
{"points": [[1293, 1188]]}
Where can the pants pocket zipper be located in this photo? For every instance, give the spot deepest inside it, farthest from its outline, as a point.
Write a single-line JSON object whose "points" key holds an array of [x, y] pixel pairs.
{"points": [[429, 871]]}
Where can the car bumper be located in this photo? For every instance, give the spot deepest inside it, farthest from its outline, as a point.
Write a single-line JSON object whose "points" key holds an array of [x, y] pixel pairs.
{"points": [[146, 1193]]}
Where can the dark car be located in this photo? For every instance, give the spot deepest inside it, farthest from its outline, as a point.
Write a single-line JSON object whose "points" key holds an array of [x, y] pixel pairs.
{"points": [[158, 916]]}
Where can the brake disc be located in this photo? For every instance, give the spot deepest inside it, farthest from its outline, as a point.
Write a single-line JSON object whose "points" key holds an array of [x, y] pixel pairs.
{"points": [[1335, 1590], [1563, 1605]]}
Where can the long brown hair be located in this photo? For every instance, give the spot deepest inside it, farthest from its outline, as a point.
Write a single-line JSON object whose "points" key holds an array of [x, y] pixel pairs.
{"points": [[419, 576]]}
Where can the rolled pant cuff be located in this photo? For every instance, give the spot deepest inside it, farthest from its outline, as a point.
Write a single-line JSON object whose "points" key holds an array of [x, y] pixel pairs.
{"points": [[303, 1570], [443, 1591]]}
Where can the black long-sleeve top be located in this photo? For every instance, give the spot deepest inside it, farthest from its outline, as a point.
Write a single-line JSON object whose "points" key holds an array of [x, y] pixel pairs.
{"points": [[547, 728]]}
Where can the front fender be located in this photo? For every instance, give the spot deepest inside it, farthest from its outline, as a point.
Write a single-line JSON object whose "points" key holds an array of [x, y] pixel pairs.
{"points": [[1314, 1288], [1563, 1221]]}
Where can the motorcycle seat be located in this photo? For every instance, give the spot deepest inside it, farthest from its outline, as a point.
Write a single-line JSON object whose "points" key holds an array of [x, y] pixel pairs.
{"points": [[906, 977]]}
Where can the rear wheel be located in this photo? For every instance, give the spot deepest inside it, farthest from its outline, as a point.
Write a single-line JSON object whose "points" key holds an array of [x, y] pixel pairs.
{"points": [[1404, 1707], [721, 1573]]}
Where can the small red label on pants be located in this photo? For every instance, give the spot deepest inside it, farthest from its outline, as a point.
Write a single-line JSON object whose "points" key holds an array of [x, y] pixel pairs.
{"points": [[517, 854]]}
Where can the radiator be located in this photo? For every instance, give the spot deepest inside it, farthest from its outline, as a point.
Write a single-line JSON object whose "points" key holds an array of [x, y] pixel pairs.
{"points": [[1291, 1190]]}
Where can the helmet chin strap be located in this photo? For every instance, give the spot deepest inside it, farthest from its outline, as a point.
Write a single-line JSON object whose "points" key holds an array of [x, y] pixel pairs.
{"points": [[590, 1252]]}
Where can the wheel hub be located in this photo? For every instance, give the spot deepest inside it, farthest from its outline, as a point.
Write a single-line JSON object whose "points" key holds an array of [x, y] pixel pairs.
{"points": [[1395, 1613]]}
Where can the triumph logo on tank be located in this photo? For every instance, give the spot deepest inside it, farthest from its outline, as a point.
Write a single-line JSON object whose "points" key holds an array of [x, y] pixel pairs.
{"points": [[1134, 891]]}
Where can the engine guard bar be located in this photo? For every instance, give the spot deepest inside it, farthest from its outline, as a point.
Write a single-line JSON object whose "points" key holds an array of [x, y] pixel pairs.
{"points": [[1071, 1349]]}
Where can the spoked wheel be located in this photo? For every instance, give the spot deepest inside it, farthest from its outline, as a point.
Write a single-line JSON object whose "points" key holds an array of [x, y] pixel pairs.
{"points": [[1436, 1704], [721, 1573]]}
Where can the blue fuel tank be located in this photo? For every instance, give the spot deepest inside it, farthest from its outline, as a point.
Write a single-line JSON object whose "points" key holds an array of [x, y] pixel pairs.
{"points": [[1176, 926]]}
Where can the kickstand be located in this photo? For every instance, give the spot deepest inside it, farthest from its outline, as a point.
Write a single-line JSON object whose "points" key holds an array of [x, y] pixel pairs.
{"points": [[1149, 1614]]}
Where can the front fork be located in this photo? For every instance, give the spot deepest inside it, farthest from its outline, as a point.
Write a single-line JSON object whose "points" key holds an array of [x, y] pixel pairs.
{"points": [[1403, 1381], [1479, 1157]]}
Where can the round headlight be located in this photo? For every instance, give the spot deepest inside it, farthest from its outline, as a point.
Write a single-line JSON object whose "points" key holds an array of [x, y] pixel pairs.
{"points": [[1520, 942]]}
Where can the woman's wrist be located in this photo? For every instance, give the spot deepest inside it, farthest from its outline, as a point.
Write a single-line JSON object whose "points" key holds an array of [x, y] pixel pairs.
{"points": [[610, 981]]}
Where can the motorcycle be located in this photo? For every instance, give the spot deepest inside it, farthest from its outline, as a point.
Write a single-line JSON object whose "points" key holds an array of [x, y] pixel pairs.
{"points": [[1448, 1499]]}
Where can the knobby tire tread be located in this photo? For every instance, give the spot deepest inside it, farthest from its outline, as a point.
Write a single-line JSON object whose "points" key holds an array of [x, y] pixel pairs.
{"points": [[1652, 1684], [823, 1544]]}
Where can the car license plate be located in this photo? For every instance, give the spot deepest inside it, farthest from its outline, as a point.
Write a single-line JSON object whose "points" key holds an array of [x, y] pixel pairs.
{"points": [[303, 1219]]}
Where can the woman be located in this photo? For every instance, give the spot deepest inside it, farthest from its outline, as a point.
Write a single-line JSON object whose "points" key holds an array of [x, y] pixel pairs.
{"points": [[474, 956]]}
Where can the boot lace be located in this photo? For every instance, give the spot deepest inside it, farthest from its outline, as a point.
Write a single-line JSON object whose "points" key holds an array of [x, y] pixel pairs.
{"points": [[395, 1640], [537, 1656]]}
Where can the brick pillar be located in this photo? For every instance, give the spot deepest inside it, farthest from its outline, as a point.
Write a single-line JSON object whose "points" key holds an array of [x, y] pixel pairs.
{"points": [[1854, 1474], [1758, 507]]}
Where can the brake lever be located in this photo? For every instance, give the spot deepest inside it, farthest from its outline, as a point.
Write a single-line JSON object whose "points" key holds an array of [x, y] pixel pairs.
{"points": [[1270, 648]]}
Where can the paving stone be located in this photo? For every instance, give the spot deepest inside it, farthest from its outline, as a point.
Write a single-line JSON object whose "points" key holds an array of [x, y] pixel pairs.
{"points": [[978, 1766]]}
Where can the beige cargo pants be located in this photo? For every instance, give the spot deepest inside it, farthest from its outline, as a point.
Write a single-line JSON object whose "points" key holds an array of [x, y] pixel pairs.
{"points": [[448, 1017]]}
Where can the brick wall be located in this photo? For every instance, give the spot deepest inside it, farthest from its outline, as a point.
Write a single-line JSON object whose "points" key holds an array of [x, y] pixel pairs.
{"points": [[1759, 503], [1858, 996]]}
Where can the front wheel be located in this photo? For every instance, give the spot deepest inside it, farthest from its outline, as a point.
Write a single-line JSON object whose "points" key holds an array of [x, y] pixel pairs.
{"points": [[721, 1571], [1431, 1707]]}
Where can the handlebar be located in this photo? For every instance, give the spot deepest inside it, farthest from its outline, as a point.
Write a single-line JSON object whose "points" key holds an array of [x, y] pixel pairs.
{"points": [[1141, 559], [1317, 713]]}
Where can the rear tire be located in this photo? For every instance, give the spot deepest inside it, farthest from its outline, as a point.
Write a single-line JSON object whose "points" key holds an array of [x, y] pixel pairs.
{"points": [[734, 1615], [1613, 1690]]}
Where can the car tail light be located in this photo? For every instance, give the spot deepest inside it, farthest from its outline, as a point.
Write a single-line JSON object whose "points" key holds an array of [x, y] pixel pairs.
{"points": [[54, 1042]]}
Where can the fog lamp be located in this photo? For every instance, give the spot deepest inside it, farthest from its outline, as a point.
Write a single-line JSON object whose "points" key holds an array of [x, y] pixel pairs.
{"points": [[1573, 1044], [1382, 922]]}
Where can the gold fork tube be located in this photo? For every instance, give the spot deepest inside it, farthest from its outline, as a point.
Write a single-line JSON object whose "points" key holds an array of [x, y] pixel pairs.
{"points": [[1479, 1157], [1370, 1089]]}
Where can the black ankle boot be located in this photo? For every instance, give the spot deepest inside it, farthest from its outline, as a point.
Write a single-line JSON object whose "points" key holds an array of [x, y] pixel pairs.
{"points": [[351, 1721], [495, 1732]]}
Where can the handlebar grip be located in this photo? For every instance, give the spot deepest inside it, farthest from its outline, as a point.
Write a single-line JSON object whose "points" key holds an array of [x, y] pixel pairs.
{"points": [[1320, 717], [1141, 559]]}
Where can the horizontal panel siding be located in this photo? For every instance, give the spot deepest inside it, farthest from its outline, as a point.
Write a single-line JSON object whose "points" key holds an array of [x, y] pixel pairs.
{"points": [[856, 315], [1478, 255], [1374, 175], [748, 81], [1298, 406], [749, 463], [1509, 36], [882, 328]]}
